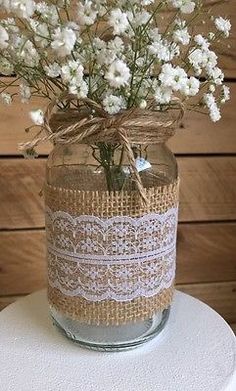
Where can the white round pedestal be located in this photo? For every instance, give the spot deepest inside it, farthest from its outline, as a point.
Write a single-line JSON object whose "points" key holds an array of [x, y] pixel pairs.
{"points": [[195, 352]]}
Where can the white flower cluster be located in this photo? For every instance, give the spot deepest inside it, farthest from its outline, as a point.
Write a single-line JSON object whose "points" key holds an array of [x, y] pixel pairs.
{"points": [[117, 53], [185, 6]]}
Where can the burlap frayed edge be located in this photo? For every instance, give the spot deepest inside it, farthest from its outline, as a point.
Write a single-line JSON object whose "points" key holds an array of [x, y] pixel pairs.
{"points": [[118, 194], [109, 312], [108, 204]]}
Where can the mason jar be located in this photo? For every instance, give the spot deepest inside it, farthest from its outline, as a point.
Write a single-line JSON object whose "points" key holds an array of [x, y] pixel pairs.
{"points": [[111, 255]]}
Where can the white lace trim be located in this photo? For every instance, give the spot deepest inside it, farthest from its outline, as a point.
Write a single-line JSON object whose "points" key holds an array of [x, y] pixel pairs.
{"points": [[119, 258]]}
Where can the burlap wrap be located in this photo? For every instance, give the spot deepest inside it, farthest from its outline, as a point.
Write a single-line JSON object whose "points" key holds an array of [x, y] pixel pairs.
{"points": [[105, 205]]}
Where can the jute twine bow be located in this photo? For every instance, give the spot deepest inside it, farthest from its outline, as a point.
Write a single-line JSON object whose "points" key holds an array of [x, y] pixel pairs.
{"points": [[90, 124]]}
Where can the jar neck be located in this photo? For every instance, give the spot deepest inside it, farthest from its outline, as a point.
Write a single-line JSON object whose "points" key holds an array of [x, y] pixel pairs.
{"points": [[109, 167]]}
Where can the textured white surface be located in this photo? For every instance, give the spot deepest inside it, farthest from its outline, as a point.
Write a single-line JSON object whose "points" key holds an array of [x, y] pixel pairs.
{"points": [[196, 352]]}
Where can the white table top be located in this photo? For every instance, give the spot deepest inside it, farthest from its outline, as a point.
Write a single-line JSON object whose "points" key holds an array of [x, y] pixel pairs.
{"points": [[196, 352]]}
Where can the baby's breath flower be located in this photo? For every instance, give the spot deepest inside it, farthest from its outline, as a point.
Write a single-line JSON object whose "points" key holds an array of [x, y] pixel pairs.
{"points": [[72, 72], [118, 20], [72, 75], [48, 13], [225, 94], [215, 74], [223, 25], [22, 8], [106, 53], [201, 41], [113, 104], [52, 70], [173, 77], [214, 111], [80, 90], [182, 36], [37, 117], [116, 45], [164, 50], [86, 14], [191, 88], [118, 74], [202, 58], [185, 6], [163, 95], [63, 41]]}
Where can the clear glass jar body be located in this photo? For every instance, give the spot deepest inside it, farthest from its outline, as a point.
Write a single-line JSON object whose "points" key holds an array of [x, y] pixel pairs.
{"points": [[76, 167]]}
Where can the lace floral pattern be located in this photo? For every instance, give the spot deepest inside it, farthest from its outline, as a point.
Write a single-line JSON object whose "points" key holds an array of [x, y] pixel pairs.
{"points": [[119, 258]]}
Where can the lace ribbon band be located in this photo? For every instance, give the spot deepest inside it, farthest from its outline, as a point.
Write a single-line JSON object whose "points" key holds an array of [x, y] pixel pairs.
{"points": [[110, 259], [120, 258]]}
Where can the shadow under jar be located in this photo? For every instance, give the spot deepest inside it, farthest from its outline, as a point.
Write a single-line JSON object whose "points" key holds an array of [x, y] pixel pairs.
{"points": [[111, 257]]}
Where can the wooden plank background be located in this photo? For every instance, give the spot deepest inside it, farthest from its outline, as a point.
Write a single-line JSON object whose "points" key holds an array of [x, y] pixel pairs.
{"points": [[206, 154]]}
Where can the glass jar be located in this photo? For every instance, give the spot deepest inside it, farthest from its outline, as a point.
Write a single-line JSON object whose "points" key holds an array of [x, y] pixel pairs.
{"points": [[104, 170]]}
